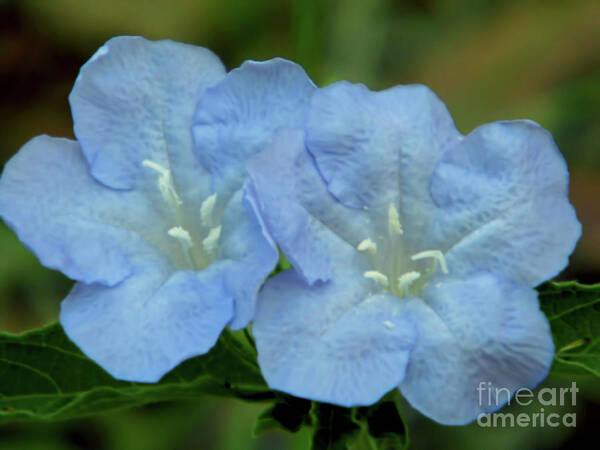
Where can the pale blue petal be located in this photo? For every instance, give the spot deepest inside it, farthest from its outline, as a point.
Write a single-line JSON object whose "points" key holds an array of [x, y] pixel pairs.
{"points": [[148, 324], [317, 233], [378, 148], [471, 332], [236, 118], [504, 207], [332, 342], [250, 254], [134, 100], [69, 220]]}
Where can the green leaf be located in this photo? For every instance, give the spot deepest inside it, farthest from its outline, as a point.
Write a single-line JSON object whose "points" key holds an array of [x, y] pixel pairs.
{"points": [[282, 264], [376, 427], [287, 413], [43, 375], [384, 424], [573, 310], [334, 427]]}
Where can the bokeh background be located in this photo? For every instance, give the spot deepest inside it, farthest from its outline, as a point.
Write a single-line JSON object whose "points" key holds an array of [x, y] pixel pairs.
{"points": [[487, 60]]}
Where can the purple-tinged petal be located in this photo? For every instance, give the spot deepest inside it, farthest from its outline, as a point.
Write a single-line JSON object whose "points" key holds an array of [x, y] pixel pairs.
{"points": [[236, 118], [133, 101], [146, 325], [504, 207], [250, 254], [480, 338], [317, 233], [69, 220], [380, 148], [333, 342]]}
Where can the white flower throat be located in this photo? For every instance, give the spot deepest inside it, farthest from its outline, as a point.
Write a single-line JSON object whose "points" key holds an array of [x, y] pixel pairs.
{"points": [[394, 269], [188, 234]]}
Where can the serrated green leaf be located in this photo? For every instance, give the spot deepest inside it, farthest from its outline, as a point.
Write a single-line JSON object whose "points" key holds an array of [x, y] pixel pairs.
{"points": [[43, 375], [573, 310]]}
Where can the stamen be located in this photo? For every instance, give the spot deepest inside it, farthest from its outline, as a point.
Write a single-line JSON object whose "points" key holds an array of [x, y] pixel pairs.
{"points": [[406, 279], [435, 254], [389, 324], [210, 242], [378, 277], [185, 240], [394, 226], [182, 235], [154, 166], [367, 245], [206, 210], [165, 183]]}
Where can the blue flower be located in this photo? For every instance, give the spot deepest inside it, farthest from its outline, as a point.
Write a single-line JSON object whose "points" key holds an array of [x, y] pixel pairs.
{"points": [[147, 209], [416, 250]]}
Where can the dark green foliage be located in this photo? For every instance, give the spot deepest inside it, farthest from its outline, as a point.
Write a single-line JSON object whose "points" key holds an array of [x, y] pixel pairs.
{"points": [[573, 310], [44, 376], [286, 413], [334, 427]]}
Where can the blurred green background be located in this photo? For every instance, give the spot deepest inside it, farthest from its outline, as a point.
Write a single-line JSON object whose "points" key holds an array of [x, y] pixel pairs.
{"points": [[487, 60]]}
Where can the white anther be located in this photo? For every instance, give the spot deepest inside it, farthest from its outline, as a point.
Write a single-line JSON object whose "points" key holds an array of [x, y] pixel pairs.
{"points": [[367, 245], [210, 242], [394, 226], [389, 324], [206, 210], [406, 279], [378, 277], [165, 183], [185, 240], [435, 254], [182, 235]]}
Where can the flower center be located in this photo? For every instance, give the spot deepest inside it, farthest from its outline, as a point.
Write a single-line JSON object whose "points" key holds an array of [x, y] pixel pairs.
{"points": [[394, 269], [186, 231]]}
